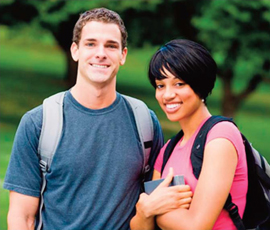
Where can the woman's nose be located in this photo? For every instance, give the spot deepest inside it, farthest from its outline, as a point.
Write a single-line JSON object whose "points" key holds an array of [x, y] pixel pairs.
{"points": [[169, 94]]}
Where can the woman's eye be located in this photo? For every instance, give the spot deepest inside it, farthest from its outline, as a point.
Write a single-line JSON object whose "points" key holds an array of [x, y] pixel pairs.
{"points": [[180, 84], [90, 44], [159, 86]]}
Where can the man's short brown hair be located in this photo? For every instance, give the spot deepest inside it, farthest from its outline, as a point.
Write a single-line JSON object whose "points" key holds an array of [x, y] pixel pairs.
{"points": [[100, 15]]}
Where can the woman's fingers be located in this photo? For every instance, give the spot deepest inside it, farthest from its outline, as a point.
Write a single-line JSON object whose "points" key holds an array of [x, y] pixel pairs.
{"points": [[182, 188], [165, 198], [168, 179], [186, 206], [184, 201], [183, 195]]}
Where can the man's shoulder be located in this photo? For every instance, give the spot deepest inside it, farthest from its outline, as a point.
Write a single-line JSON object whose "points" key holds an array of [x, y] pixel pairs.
{"points": [[135, 100], [152, 113], [31, 121], [34, 114]]}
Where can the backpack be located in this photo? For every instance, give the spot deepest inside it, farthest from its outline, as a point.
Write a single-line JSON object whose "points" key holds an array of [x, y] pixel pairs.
{"points": [[257, 210], [52, 130]]}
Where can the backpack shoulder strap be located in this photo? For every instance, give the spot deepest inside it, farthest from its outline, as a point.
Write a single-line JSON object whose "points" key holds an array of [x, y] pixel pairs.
{"points": [[170, 147], [199, 143], [254, 172], [197, 158], [51, 128], [144, 125], [49, 138]]}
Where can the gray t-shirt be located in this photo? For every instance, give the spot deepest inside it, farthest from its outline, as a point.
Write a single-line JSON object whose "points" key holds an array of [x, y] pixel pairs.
{"points": [[95, 177]]}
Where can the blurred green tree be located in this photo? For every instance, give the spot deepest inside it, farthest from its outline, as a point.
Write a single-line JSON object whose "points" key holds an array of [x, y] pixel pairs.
{"points": [[238, 34], [60, 16], [148, 21]]}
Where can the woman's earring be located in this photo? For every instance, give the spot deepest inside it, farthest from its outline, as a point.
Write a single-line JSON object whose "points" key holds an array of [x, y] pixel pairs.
{"points": [[202, 100]]}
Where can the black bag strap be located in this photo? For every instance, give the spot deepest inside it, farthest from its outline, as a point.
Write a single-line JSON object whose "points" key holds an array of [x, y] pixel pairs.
{"points": [[196, 157], [199, 143], [170, 147], [232, 209]]}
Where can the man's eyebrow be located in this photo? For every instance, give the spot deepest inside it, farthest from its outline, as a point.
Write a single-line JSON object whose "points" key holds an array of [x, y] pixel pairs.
{"points": [[90, 39], [109, 41], [113, 42]]}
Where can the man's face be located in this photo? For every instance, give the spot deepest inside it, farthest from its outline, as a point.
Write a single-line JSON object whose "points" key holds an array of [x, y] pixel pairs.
{"points": [[99, 53]]}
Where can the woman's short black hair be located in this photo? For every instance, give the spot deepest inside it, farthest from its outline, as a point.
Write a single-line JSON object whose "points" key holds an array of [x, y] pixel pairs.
{"points": [[188, 61]]}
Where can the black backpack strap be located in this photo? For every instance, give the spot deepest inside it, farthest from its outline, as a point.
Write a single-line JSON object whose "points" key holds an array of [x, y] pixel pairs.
{"points": [[170, 147], [232, 209], [199, 143], [198, 146], [197, 159]]}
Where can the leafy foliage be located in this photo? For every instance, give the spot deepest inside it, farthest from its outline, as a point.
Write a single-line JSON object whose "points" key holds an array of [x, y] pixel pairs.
{"points": [[236, 27], [235, 31]]}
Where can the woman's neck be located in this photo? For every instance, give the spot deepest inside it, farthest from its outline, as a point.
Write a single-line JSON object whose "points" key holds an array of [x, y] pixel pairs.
{"points": [[190, 124]]}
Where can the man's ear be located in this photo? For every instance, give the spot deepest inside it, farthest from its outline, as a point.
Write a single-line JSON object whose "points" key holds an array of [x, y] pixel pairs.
{"points": [[124, 55], [74, 50]]}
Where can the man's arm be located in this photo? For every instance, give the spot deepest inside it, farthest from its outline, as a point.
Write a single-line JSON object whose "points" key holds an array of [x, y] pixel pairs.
{"points": [[22, 211]]}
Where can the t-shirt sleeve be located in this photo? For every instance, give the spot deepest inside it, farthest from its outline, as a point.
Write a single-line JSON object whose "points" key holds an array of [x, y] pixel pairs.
{"points": [[228, 131], [23, 173]]}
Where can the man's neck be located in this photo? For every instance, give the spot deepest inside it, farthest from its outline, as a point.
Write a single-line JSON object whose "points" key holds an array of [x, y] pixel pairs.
{"points": [[94, 97]]}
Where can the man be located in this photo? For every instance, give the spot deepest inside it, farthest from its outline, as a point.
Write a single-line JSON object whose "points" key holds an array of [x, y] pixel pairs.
{"points": [[95, 177]]}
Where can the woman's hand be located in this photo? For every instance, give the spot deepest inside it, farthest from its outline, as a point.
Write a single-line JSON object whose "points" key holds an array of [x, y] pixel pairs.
{"points": [[164, 199]]}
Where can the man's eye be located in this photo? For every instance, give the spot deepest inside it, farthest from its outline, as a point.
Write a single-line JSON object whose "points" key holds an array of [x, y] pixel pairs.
{"points": [[112, 46]]}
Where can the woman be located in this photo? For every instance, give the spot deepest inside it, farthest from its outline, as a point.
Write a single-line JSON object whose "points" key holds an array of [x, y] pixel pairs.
{"points": [[183, 74]]}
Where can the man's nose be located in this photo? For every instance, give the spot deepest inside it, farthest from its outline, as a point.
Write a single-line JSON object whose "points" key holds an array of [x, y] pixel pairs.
{"points": [[101, 52]]}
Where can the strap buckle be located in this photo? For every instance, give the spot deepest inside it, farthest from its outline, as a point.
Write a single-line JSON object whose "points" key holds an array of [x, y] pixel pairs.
{"points": [[146, 168], [43, 165], [233, 211]]}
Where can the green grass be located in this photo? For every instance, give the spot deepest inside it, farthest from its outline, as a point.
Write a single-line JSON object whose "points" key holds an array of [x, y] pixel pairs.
{"points": [[29, 74]]}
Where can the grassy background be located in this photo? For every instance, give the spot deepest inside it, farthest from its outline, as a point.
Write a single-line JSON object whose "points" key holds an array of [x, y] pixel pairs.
{"points": [[31, 71]]}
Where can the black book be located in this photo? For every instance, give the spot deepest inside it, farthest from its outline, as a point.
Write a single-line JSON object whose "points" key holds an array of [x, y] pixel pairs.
{"points": [[150, 186]]}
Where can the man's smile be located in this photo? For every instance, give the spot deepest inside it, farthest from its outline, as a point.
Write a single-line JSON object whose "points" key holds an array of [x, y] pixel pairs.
{"points": [[100, 66]]}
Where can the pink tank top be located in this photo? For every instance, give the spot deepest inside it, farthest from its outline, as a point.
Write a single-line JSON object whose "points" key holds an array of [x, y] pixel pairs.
{"points": [[180, 161]]}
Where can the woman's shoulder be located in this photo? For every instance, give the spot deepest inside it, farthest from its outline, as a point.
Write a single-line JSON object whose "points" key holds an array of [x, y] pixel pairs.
{"points": [[224, 129], [229, 131]]}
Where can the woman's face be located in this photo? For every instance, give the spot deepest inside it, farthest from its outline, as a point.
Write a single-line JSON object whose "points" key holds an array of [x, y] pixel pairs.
{"points": [[176, 98]]}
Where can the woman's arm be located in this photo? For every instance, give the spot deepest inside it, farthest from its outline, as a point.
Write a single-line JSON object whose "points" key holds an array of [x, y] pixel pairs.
{"points": [[214, 184], [163, 199]]}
